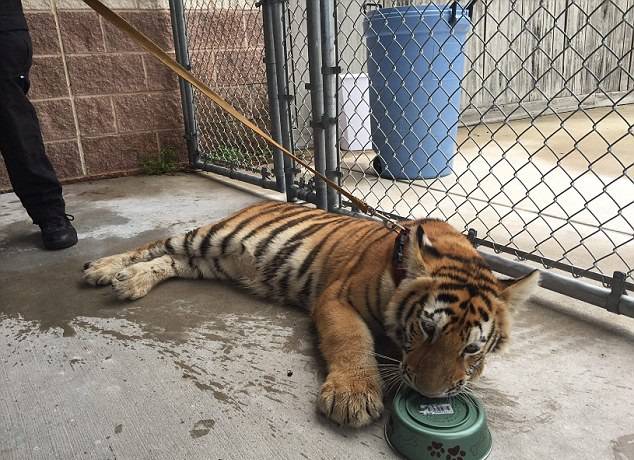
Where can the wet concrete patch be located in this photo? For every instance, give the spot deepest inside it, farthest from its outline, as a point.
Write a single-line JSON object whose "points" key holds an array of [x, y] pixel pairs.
{"points": [[111, 216], [49, 291], [20, 237]]}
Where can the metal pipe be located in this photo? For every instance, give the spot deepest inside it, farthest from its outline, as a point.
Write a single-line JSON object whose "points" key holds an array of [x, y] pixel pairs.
{"points": [[289, 72], [570, 287], [282, 93], [313, 35], [233, 174], [179, 28], [271, 84], [330, 73], [565, 285], [549, 263]]}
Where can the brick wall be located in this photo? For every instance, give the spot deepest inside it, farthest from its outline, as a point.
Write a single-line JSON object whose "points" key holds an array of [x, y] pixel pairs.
{"points": [[102, 103]]}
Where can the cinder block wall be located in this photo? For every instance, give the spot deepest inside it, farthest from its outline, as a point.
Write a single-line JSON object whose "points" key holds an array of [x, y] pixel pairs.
{"points": [[102, 103]]}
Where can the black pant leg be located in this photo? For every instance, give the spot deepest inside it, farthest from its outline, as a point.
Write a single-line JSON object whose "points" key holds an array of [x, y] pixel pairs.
{"points": [[31, 173]]}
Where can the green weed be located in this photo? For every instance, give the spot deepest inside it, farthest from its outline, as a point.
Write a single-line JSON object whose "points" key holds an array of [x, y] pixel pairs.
{"points": [[165, 163]]}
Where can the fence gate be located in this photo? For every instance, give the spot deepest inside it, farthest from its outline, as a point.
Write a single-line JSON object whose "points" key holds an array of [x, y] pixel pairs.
{"points": [[511, 120], [222, 42]]}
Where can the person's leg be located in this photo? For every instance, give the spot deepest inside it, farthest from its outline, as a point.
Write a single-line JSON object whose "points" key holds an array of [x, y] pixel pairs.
{"points": [[31, 174]]}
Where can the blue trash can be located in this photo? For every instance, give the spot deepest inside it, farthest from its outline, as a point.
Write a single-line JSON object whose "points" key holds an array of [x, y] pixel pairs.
{"points": [[415, 65]]}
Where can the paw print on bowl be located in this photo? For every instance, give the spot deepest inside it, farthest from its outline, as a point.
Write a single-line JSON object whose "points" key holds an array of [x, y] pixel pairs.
{"points": [[455, 453], [436, 449]]}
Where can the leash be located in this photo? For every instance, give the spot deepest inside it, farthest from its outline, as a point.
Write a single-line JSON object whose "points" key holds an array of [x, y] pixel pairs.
{"points": [[167, 60]]}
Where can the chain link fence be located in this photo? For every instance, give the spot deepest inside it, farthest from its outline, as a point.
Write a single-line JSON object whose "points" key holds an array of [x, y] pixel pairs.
{"points": [[511, 120]]}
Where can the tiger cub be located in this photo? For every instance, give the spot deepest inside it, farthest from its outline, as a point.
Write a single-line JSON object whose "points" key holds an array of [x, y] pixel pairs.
{"points": [[427, 288]]}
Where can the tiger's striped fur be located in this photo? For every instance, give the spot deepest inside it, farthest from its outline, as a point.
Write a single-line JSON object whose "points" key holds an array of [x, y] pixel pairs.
{"points": [[446, 315]]}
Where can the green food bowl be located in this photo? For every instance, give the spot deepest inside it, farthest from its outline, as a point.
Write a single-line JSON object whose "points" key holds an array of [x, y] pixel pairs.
{"points": [[421, 428]]}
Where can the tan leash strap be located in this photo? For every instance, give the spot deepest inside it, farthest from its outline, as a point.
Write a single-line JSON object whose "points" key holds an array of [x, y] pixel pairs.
{"points": [[162, 56]]}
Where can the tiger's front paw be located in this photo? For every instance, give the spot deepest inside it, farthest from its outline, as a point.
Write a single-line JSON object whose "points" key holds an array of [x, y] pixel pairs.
{"points": [[133, 282], [101, 272], [351, 400]]}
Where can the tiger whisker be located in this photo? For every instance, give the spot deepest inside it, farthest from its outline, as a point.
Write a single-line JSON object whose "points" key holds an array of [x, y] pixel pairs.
{"points": [[393, 385], [377, 355], [387, 386], [389, 358], [378, 365], [391, 376], [391, 373], [373, 353], [398, 377], [397, 369]]}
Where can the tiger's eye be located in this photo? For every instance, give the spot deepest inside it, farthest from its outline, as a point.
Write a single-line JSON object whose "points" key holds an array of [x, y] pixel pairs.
{"points": [[471, 349]]}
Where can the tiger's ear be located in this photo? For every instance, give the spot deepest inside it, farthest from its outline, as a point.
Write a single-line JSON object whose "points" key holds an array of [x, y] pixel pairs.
{"points": [[421, 239], [518, 290], [418, 247]]}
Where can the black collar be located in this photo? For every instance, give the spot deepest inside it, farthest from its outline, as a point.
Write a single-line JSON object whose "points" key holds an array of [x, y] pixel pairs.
{"points": [[399, 271]]}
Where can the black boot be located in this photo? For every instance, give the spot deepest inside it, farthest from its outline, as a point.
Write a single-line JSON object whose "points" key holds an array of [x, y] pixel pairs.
{"points": [[58, 232]]}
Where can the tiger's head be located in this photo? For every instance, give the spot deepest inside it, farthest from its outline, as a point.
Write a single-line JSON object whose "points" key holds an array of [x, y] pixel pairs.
{"points": [[450, 311]]}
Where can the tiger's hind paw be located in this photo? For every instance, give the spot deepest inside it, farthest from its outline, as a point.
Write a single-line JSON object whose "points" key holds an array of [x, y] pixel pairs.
{"points": [[350, 400]]}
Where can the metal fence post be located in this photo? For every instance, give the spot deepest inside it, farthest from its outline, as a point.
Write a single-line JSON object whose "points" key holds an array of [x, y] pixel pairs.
{"points": [[177, 14], [276, 19], [316, 95], [330, 72], [279, 161]]}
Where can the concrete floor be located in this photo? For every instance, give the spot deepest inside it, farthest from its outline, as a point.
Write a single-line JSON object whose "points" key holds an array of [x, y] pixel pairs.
{"points": [[201, 370]]}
